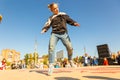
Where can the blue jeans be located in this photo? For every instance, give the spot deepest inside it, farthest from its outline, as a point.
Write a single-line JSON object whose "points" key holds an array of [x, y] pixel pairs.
{"points": [[52, 44]]}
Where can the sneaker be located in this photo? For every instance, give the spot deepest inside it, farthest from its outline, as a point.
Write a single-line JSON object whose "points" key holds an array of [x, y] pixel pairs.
{"points": [[50, 70], [71, 63]]}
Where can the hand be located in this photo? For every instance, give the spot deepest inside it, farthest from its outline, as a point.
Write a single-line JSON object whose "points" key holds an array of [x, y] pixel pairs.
{"points": [[43, 31], [76, 24]]}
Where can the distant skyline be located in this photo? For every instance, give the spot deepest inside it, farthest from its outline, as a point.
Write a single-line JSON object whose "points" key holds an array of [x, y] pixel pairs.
{"points": [[23, 20]]}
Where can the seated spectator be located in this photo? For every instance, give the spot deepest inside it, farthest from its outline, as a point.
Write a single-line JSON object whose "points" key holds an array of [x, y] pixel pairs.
{"points": [[57, 65], [4, 63], [1, 67]]}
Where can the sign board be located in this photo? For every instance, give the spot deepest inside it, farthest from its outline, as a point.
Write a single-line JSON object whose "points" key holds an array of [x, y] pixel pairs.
{"points": [[60, 54]]}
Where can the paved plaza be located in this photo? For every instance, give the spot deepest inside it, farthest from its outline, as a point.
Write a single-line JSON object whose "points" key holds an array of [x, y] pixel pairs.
{"points": [[81, 73]]}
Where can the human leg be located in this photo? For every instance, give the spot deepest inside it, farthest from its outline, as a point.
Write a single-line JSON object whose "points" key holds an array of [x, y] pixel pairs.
{"points": [[66, 41], [52, 43]]}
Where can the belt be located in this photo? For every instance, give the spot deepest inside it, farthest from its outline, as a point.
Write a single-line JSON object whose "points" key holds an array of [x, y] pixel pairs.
{"points": [[60, 33]]}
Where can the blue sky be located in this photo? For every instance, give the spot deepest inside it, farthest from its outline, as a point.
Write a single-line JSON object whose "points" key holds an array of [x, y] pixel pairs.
{"points": [[23, 20]]}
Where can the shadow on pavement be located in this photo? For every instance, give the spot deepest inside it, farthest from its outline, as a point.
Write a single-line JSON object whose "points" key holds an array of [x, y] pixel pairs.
{"points": [[65, 78], [100, 77], [40, 71], [45, 71]]}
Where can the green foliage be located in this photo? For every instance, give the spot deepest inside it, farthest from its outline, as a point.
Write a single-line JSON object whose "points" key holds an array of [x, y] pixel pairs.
{"points": [[26, 59], [45, 59], [8, 63], [31, 58], [35, 57]]}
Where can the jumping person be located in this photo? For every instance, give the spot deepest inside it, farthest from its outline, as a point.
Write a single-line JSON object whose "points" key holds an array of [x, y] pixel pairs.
{"points": [[59, 32]]}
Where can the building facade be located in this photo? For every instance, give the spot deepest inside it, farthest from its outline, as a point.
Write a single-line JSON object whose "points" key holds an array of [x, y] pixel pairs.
{"points": [[10, 55]]}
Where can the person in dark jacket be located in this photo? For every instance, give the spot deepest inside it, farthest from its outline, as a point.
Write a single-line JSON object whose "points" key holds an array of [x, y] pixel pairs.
{"points": [[59, 32], [118, 57]]}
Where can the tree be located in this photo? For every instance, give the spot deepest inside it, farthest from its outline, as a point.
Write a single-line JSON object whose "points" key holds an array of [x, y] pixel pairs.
{"points": [[45, 59], [26, 59], [35, 57], [30, 58]]}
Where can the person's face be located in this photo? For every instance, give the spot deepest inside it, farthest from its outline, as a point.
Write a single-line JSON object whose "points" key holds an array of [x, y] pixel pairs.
{"points": [[55, 9]]}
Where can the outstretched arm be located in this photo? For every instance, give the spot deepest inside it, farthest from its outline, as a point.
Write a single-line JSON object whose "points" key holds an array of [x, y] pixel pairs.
{"points": [[46, 26], [43, 31], [71, 21], [76, 24]]}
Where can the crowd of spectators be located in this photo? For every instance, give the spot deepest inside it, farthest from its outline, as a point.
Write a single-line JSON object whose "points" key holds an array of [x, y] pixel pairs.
{"points": [[86, 60]]}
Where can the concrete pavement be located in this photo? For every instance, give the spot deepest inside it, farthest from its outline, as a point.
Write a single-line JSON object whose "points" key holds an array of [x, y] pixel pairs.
{"points": [[81, 73]]}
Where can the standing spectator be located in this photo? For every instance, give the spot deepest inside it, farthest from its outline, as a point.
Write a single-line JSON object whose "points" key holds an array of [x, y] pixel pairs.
{"points": [[105, 61], [118, 57], [114, 57], [95, 61], [86, 60], [23, 64], [90, 60]]}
